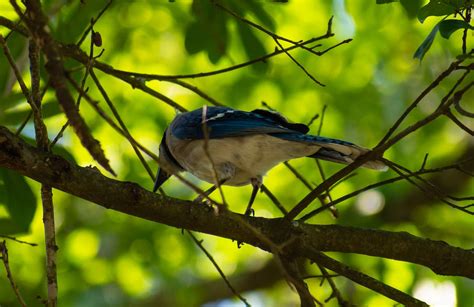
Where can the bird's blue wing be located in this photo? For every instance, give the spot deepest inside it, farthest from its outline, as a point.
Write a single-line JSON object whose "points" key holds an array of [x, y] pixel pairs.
{"points": [[307, 138], [224, 122]]}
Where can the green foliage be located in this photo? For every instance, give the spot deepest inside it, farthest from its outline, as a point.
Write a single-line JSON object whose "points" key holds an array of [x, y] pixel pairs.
{"points": [[445, 28], [79, 13], [449, 26], [18, 45], [438, 8], [17, 116], [426, 45], [209, 32], [411, 7], [20, 206]]}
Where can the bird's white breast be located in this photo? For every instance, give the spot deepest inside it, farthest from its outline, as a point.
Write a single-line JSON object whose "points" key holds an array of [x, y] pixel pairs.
{"points": [[250, 156]]}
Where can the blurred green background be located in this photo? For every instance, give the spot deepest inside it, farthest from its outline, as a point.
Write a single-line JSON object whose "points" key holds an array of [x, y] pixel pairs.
{"points": [[106, 258]]}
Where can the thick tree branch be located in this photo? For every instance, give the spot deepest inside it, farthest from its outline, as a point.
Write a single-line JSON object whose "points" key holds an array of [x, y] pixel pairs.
{"points": [[300, 239]]}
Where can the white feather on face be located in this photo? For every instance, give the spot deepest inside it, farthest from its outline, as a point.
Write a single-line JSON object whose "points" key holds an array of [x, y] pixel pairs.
{"points": [[237, 159]]}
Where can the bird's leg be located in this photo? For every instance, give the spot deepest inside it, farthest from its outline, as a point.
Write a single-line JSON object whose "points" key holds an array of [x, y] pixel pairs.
{"points": [[256, 184], [208, 192]]}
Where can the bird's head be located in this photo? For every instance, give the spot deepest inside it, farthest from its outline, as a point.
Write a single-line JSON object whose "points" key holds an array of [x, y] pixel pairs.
{"points": [[168, 164]]}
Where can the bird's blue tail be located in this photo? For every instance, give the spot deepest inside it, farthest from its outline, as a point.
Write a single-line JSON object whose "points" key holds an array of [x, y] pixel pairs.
{"points": [[333, 150]]}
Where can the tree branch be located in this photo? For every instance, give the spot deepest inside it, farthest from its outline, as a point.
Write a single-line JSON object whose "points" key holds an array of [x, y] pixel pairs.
{"points": [[299, 239]]}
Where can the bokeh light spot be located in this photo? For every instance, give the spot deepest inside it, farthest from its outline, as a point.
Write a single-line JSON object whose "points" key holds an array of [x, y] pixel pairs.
{"points": [[370, 202], [436, 294], [131, 276], [82, 245]]}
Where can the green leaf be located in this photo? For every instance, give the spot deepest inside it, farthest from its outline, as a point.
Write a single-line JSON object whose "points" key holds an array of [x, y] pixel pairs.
{"points": [[11, 100], [12, 118], [448, 27], [193, 40], [217, 29], [78, 13], [208, 33], [17, 45], [9, 227], [252, 45], [436, 8], [411, 7], [425, 46], [19, 200], [257, 9]]}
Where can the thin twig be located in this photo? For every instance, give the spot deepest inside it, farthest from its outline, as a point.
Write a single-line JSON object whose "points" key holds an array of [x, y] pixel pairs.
{"points": [[346, 41], [37, 22], [13, 26], [93, 22], [124, 128], [364, 280], [95, 105], [298, 64], [298, 175], [277, 39], [4, 252], [462, 111], [79, 96], [380, 149], [42, 142], [17, 73], [268, 32], [51, 247], [379, 184], [467, 19], [205, 131], [135, 78], [335, 291], [273, 198], [429, 189], [311, 121], [34, 99], [430, 87], [321, 170], [214, 263], [451, 116], [294, 276], [28, 117], [17, 240]]}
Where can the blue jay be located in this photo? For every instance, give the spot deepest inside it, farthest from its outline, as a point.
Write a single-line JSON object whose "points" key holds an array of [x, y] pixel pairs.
{"points": [[243, 146]]}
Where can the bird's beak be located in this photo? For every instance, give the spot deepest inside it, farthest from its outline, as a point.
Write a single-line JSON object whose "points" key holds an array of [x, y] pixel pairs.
{"points": [[161, 177]]}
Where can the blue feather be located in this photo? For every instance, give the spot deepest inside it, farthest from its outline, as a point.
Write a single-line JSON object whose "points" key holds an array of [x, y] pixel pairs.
{"points": [[223, 122], [307, 138]]}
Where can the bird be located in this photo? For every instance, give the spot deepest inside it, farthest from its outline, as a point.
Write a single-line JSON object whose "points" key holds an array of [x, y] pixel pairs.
{"points": [[238, 148]]}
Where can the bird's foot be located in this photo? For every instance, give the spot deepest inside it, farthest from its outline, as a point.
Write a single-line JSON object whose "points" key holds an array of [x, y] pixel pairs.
{"points": [[256, 184]]}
